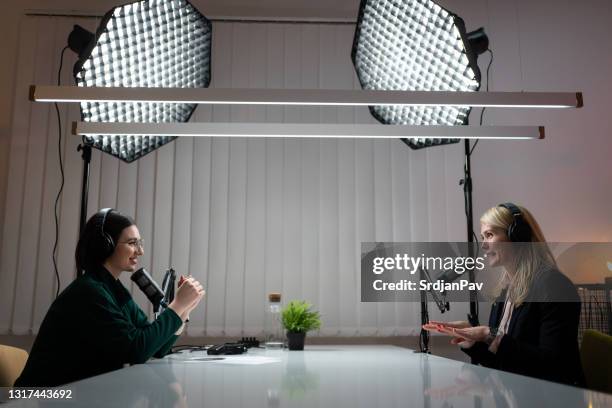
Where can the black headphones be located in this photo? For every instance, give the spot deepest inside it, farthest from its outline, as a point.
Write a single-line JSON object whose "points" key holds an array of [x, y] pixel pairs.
{"points": [[518, 230], [106, 242]]}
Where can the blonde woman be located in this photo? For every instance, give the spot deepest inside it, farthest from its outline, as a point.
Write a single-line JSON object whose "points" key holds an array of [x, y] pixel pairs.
{"points": [[533, 325]]}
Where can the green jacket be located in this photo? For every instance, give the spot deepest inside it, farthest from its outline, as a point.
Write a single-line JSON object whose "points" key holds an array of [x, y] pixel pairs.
{"points": [[94, 327]]}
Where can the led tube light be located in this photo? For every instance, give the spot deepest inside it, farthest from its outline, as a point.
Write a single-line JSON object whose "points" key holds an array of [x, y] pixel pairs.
{"points": [[322, 97], [303, 130]]}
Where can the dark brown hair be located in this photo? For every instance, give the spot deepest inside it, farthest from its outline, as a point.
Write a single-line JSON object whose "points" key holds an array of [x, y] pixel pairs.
{"points": [[100, 237]]}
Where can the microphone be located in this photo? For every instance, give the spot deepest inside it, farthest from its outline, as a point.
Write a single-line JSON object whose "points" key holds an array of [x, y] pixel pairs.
{"points": [[449, 275], [149, 287], [168, 284], [442, 304]]}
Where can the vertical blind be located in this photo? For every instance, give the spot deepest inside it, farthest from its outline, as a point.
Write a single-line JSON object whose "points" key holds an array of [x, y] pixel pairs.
{"points": [[244, 216]]}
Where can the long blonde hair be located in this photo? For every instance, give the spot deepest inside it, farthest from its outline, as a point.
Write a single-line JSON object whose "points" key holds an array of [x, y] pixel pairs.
{"points": [[528, 258]]}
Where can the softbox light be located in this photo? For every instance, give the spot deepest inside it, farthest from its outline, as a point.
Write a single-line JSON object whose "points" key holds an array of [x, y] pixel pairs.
{"points": [[152, 43], [414, 45]]}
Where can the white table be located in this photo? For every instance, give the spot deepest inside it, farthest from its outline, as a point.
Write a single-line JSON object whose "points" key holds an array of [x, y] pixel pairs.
{"points": [[320, 376]]}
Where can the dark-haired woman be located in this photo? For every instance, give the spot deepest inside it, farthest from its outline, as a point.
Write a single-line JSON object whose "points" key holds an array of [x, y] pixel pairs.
{"points": [[94, 326], [533, 325]]}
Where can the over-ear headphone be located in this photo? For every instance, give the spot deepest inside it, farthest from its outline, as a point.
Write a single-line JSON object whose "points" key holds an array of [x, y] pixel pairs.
{"points": [[106, 242], [519, 230]]}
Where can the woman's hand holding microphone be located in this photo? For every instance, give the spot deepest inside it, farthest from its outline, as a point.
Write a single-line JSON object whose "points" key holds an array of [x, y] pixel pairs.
{"points": [[188, 295]]}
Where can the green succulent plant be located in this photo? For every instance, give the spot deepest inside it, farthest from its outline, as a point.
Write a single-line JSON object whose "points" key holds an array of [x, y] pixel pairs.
{"points": [[299, 318]]}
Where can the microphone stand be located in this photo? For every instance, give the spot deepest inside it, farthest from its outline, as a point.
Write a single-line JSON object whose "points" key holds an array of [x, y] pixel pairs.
{"points": [[442, 304]]}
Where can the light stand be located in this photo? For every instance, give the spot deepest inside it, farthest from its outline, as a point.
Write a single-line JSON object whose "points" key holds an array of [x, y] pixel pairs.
{"points": [[388, 53], [469, 214], [86, 155]]}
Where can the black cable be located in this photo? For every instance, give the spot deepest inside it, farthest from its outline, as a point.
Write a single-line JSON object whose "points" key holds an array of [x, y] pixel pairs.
{"points": [[187, 347], [61, 164], [476, 142], [483, 109]]}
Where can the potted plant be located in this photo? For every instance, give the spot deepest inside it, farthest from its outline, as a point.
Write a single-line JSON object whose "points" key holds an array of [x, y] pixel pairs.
{"points": [[298, 318]]}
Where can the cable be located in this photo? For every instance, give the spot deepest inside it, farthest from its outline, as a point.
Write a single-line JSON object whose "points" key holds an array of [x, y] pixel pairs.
{"points": [[187, 347], [483, 109], [61, 164]]}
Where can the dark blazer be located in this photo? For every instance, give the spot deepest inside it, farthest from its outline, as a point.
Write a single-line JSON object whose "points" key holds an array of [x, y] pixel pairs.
{"points": [[94, 327], [542, 338]]}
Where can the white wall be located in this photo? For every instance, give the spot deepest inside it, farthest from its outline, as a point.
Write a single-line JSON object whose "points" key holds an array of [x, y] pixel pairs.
{"points": [[566, 179], [307, 200]]}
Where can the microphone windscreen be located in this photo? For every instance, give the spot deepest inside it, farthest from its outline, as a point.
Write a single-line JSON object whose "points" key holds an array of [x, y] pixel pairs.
{"points": [[148, 286]]}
